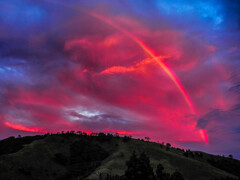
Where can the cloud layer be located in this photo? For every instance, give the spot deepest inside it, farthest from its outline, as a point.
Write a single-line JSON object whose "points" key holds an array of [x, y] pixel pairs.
{"points": [[76, 66]]}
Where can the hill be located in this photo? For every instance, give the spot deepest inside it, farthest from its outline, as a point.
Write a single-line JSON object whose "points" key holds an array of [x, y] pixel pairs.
{"points": [[98, 156]]}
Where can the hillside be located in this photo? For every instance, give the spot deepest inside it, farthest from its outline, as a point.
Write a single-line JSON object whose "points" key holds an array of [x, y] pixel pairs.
{"points": [[79, 156]]}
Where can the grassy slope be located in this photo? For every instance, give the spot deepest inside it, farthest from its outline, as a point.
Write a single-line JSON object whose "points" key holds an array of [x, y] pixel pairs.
{"points": [[172, 161], [38, 157]]}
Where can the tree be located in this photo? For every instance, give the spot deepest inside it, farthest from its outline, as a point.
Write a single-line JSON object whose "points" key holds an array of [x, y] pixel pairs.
{"points": [[126, 138], [139, 168], [131, 164], [145, 167], [168, 146], [160, 174], [147, 138], [116, 135], [79, 132], [177, 176], [159, 171]]}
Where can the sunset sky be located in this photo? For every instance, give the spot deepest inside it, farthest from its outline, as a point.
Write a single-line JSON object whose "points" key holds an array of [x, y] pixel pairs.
{"points": [[169, 70]]}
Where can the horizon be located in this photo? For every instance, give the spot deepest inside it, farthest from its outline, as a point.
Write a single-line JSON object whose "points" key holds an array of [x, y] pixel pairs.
{"points": [[145, 139], [168, 71]]}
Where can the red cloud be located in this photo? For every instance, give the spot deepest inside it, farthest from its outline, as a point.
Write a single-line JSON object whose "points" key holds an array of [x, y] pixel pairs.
{"points": [[23, 128], [107, 68]]}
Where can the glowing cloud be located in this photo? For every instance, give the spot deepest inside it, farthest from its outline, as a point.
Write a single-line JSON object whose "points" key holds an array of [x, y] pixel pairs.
{"points": [[204, 135], [153, 55], [120, 132], [94, 65], [149, 51], [23, 128], [145, 48], [123, 69]]}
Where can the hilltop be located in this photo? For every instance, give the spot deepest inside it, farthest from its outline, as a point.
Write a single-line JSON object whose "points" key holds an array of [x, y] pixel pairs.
{"points": [[99, 156]]}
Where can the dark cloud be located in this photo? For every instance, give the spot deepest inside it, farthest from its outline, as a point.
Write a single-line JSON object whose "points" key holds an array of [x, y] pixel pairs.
{"points": [[223, 130]]}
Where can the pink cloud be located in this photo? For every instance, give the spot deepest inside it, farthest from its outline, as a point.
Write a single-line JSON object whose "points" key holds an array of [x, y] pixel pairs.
{"points": [[105, 69]]}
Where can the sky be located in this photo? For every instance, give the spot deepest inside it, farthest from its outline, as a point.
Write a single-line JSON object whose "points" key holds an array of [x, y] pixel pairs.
{"points": [[168, 70]]}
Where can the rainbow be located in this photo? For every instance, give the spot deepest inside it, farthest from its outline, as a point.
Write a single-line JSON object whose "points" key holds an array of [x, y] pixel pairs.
{"points": [[145, 48], [152, 54]]}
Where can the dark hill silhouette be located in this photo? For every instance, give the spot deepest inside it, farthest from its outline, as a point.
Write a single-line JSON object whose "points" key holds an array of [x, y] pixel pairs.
{"points": [[107, 157]]}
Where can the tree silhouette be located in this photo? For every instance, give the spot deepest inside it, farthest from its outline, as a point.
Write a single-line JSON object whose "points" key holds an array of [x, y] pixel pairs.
{"points": [[147, 138], [160, 174], [145, 167], [177, 176], [168, 146], [132, 166], [139, 168]]}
